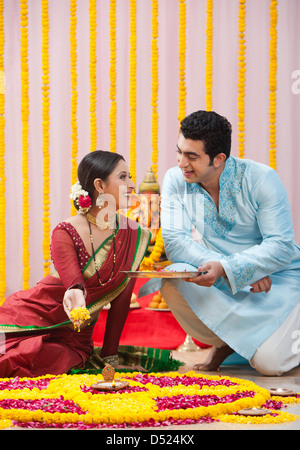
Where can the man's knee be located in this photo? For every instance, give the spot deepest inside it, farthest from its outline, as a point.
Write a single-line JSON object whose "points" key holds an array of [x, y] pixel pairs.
{"points": [[267, 363]]}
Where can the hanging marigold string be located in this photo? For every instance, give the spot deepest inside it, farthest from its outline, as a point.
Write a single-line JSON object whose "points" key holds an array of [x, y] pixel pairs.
{"points": [[182, 51], [74, 94], [241, 79], [2, 158], [155, 84], [273, 83], [25, 137], [93, 74], [132, 89], [209, 54], [45, 138], [113, 75]]}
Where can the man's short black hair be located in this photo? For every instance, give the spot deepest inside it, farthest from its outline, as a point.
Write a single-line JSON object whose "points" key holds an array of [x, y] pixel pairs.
{"points": [[211, 128]]}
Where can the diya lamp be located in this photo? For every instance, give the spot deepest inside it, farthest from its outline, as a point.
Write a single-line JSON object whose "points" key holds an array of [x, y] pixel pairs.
{"points": [[109, 382], [149, 192]]}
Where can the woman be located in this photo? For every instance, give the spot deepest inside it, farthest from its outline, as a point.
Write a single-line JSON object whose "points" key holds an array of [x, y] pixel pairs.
{"points": [[89, 252]]}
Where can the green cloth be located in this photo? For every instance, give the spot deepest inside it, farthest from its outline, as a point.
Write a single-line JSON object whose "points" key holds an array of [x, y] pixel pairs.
{"points": [[152, 359]]}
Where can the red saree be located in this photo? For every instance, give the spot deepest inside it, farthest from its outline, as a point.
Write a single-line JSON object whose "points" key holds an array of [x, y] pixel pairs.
{"points": [[39, 337]]}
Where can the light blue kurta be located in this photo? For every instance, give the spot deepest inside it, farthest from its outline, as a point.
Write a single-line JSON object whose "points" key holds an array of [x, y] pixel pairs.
{"points": [[251, 235]]}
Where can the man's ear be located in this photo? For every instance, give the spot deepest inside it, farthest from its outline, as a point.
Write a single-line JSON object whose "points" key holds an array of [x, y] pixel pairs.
{"points": [[219, 159]]}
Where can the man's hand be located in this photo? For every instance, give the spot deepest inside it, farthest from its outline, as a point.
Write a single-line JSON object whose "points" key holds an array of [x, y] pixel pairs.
{"points": [[214, 271], [262, 285]]}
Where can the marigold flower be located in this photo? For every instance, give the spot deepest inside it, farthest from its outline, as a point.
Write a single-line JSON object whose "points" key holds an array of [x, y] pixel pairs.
{"points": [[78, 316]]}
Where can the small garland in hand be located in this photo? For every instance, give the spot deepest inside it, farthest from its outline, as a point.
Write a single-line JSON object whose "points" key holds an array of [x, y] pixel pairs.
{"points": [[78, 316]]}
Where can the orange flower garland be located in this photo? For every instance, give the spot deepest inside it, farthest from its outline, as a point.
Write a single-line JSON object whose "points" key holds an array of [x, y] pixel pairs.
{"points": [[273, 82], [182, 51], [2, 159], [45, 144], [113, 75], [209, 54], [93, 68], [25, 137], [132, 89], [74, 95], [155, 84], [241, 79]]}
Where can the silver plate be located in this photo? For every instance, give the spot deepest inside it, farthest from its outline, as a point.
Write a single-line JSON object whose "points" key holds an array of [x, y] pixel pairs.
{"points": [[281, 392], [108, 385], [161, 274], [158, 309], [254, 412]]}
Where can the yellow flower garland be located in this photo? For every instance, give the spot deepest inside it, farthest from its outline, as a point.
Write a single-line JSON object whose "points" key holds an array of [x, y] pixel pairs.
{"points": [[132, 89], [78, 316], [74, 94], [273, 82], [156, 253], [113, 75], [155, 84], [25, 137], [182, 50], [241, 79], [138, 406], [45, 143], [93, 73], [209, 54], [2, 159]]}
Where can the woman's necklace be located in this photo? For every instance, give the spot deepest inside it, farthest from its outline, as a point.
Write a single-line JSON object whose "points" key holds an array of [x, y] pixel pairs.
{"points": [[94, 256], [100, 224]]}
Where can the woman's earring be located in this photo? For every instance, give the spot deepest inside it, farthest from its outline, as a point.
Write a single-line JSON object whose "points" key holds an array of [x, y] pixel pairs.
{"points": [[100, 201]]}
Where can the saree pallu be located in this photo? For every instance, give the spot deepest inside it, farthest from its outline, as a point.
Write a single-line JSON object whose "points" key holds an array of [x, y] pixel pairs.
{"points": [[39, 337]]}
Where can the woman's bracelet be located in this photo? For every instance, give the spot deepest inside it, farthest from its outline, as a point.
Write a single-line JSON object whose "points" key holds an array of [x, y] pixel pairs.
{"points": [[80, 286]]}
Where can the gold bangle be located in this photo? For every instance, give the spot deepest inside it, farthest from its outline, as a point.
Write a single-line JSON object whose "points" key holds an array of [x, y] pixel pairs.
{"points": [[79, 286]]}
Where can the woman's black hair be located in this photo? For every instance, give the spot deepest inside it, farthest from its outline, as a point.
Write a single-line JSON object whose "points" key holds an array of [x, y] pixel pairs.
{"points": [[96, 164]]}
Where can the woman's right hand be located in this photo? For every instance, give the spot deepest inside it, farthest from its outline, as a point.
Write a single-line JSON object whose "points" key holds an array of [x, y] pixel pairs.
{"points": [[73, 298]]}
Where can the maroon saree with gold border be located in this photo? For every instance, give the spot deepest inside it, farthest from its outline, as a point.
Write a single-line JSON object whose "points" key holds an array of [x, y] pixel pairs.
{"points": [[39, 337]]}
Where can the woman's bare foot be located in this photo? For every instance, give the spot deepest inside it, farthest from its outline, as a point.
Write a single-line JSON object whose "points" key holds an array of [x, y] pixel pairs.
{"points": [[215, 358]]}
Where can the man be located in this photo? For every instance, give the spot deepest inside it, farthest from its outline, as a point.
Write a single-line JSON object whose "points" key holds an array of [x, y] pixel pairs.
{"points": [[231, 219]]}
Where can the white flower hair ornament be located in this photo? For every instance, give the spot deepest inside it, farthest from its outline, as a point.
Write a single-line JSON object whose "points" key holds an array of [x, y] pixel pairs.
{"points": [[81, 198]]}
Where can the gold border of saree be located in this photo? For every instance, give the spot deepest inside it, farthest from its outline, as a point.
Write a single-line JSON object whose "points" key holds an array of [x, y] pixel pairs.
{"points": [[142, 244]]}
